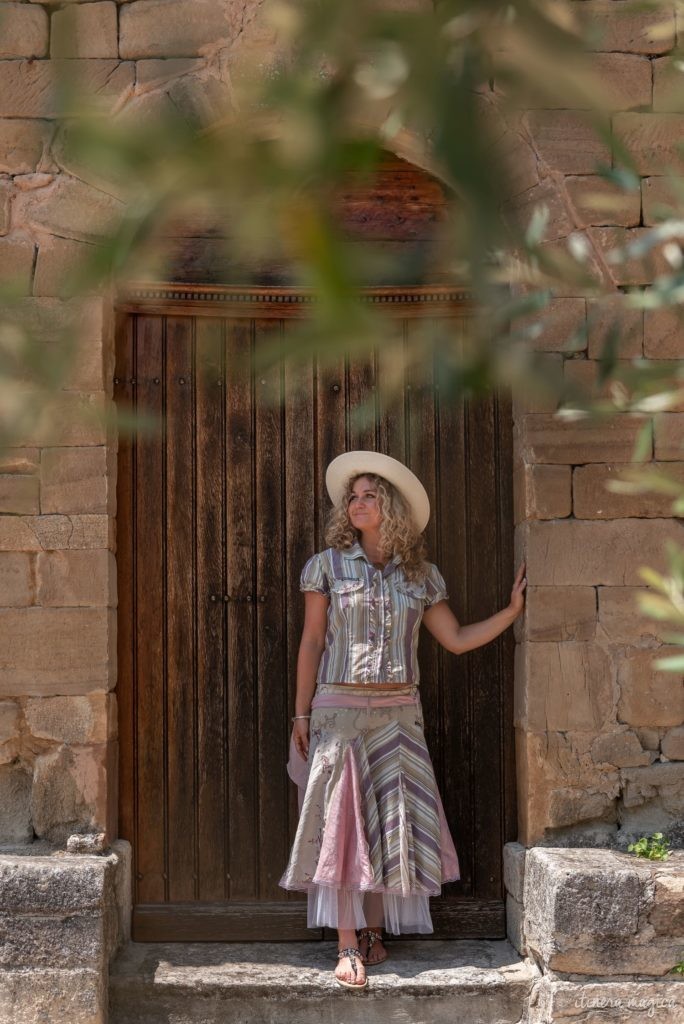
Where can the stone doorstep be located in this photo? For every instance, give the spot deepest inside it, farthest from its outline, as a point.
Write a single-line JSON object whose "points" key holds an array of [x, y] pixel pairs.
{"points": [[478, 981]]}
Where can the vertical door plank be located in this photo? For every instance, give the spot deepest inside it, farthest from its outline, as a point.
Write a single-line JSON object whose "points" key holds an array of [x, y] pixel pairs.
{"points": [[483, 570], [180, 576], [452, 513], [272, 710], [242, 823], [212, 743], [331, 434], [150, 598], [126, 495], [362, 404], [390, 383]]}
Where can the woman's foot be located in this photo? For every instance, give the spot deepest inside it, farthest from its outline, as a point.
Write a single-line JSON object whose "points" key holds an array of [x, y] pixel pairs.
{"points": [[350, 970], [371, 947]]}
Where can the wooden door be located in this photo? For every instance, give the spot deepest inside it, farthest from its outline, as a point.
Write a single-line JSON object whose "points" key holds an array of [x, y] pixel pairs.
{"points": [[217, 513]]}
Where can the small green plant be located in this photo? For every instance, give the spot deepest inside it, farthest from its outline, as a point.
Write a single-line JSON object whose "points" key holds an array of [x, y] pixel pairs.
{"points": [[653, 847], [678, 968]]}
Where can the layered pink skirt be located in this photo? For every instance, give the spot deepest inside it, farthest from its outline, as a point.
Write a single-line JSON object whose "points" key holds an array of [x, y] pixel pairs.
{"points": [[372, 842]]}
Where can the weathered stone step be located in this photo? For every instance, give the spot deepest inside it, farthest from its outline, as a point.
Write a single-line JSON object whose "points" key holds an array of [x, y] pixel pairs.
{"points": [[478, 981]]}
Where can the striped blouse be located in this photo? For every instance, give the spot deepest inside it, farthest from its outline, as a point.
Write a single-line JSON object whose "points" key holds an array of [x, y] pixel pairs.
{"points": [[374, 616]]}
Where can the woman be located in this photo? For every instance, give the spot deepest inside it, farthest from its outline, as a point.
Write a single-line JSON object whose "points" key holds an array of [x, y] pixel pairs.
{"points": [[372, 842]]}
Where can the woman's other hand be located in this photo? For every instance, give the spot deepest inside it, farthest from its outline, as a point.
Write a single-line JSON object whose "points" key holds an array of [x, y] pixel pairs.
{"points": [[518, 592], [300, 734]]}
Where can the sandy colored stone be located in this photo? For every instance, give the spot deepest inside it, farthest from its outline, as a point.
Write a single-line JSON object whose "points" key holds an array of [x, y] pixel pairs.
{"points": [[10, 715], [625, 268], [84, 719], [658, 198], [597, 201], [518, 162], [76, 995], [593, 500], [77, 479], [668, 86], [59, 261], [15, 814], [559, 613], [17, 587], [669, 436], [19, 460], [607, 1002], [520, 210], [570, 806], [542, 394], [72, 209], [542, 492], [611, 317], [559, 327], [619, 749], [24, 31], [562, 686], [68, 650], [203, 100], [661, 782], [85, 30], [152, 73], [663, 334], [626, 80], [667, 917], [16, 261], [625, 27], [19, 494], [569, 552], [28, 88], [179, 28], [21, 144], [653, 140], [649, 738], [67, 418], [649, 696], [672, 744], [514, 869], [565, 141], [84, 579], [582, 379], [74, 790], [551, 439], [619, 618], [5, 198], [38, 533]]}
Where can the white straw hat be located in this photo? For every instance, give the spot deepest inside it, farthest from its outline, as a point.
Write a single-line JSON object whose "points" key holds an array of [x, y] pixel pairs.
{"points": [[359, 462]]}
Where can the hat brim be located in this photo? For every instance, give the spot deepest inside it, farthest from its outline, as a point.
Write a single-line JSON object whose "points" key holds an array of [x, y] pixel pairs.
{"points": [[358, 462]]}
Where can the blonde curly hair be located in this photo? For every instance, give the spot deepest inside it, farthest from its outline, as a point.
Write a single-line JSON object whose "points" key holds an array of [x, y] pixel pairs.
{"points": [[398, 534]]}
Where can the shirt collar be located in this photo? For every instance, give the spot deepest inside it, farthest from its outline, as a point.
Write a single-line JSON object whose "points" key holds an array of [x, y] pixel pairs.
{"points": [[356, 551]]}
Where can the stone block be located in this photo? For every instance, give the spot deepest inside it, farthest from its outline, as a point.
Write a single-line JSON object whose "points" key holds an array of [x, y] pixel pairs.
{"points": [[520, 210], [515, 924], [49, 942], [518, 163], [663, 334], [619, 749], [19, 460], [201, 101], [66, 418], [626, 80], [607, 1002], [5, 197], [46, 886], [24, 31], [72, 792], [659, 784], [566, 142], [653, 140], [625, 27], [563, 686], [58, 995], [178, 28], [611, 319], [569, 552], [658, 198], [17, 587], [649, 739], [672, 744], [60, 262], [29, 88], [627, 269], [559, 327], [668, 86], [542, 492], [540, 393], [76, 579], [16, 261], [547, 438], [514, 869], [619, 618], [56, 532], [70, 208], [10, 715], [152, 73], [21, 144], [649, 696], [592, 499], [68, 650], [582, 379], [15, 813], [77, 480], [85, 719], [669, 436], [597, 201], [559, 613], [85, 30], [19, 494], [575, 805], [585, 913]]}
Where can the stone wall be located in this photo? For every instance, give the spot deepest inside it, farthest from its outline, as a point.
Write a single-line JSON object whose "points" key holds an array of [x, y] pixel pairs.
{"points": [[599, 733]]}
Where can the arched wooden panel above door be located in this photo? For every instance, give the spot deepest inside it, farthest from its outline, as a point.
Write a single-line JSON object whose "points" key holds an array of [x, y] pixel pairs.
{"points": [[216, 515]]}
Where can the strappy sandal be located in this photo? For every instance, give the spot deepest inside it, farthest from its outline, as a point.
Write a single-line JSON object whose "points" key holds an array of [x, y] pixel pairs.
{"points": [[352, 953], [372, 937]]}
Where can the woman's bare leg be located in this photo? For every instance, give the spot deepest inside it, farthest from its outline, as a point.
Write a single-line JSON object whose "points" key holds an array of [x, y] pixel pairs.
{"points": [[374, 914]]}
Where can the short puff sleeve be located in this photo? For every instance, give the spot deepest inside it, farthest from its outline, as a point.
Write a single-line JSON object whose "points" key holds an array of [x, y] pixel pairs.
{"points": [[435, 587], [313, 576]]}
